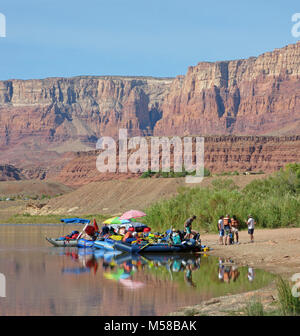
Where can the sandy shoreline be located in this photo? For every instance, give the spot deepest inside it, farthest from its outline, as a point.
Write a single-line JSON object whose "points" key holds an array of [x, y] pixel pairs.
{"points": [[274, 250]]}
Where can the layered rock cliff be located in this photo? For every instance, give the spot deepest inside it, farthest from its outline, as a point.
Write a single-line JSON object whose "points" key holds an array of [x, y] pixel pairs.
{"points": [[250, 97], [10, 173], [40, 120], [242, 97], [55, 110], [221, 154]]}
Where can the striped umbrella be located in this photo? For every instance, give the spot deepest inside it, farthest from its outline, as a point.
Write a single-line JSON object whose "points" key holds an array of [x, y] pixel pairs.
{"points": [[116, 220]]}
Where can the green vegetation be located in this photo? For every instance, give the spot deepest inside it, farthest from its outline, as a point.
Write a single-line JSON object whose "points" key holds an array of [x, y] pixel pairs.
{"points": [[47, 219], [255, 308], [286, 305], [289, 305], [234, 173], [172, 174], [26, 197], [274, 202]]}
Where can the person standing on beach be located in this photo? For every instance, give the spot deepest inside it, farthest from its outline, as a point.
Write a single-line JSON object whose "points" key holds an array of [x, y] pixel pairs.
{"points": [[251, 222], [221, 230], [227, 229], [235, 228]]}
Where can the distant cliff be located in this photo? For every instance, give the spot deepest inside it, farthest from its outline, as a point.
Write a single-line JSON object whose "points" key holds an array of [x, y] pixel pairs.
{"points": [[42, 119], [55, 110], [221, 154], [242, 97], [253, 96]]}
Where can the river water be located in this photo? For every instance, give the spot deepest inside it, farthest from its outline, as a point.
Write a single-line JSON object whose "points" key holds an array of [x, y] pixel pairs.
{"points": [[38, 279]]}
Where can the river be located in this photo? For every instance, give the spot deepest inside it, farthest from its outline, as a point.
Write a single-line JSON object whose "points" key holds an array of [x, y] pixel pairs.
{"points": [[38, 279]]}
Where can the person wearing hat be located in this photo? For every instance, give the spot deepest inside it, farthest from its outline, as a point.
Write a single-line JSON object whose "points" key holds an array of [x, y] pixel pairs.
{"points": [[251, 222]]}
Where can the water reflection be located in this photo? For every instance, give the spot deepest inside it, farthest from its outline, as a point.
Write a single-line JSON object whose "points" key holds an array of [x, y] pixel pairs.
{"points": [[120, 267], [44, 280]]}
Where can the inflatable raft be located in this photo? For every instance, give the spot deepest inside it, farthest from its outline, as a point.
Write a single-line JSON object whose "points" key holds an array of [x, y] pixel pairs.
{"points": [[62, 243], [187, 247], [84, 243], [106, 244]]}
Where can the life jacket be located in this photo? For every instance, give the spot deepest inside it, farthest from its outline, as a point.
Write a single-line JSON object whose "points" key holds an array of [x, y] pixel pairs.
{"points": [[226, 221], [127, 235], [234, 222]]}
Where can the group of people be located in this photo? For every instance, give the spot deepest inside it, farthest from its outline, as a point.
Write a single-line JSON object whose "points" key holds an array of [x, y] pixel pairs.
{"points": [[125, 234], [229, 228]]}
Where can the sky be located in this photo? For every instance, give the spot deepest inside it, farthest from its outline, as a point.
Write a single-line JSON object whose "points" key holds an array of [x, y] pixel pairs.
{"points": [[161, 38]]}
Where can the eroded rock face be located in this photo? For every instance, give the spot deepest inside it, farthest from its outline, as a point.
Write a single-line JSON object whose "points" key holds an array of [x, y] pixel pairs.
{"points": [[250, 97], [222, 154], [243, 97], [42, 120], [54, 110], [10, 173]]}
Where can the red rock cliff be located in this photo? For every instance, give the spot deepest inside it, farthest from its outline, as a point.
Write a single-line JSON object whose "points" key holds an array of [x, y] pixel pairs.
{"points": [[253, 96], [54, 110]]}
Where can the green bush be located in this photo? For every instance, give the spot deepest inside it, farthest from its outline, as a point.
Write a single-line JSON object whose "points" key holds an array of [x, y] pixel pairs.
{"points": [[289, 305], [172, 174], [273, 202]]}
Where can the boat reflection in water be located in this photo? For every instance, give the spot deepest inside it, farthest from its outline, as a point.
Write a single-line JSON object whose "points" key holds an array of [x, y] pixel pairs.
{"points": [[120, 267], [58, 281]]}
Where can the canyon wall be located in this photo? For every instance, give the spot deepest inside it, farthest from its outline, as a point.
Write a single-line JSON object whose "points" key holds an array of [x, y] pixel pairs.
{"points": [[10, 173], [55, 110], [259, 95], [43, 121], [221, 153], [250, 97]]}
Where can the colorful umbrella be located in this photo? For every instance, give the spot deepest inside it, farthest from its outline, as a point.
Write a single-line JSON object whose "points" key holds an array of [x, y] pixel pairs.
{"points": [[132, 284], [132, 214], [116, 220]]}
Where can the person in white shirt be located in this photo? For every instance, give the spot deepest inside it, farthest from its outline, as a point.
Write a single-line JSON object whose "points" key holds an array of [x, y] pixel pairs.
{"points": [[251, 222], [221, 230], [250, 274]]}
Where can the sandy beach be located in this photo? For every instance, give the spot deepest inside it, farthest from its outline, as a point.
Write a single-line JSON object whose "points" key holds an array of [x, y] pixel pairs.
{"points": [[274, 250]]}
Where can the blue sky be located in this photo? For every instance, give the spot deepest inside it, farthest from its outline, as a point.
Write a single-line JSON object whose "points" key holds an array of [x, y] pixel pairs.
{"points": [[49, 38]]}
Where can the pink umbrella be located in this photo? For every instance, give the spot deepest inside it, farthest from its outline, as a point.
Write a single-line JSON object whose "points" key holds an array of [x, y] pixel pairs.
{"points": [[131, 284], [132, 214]]}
